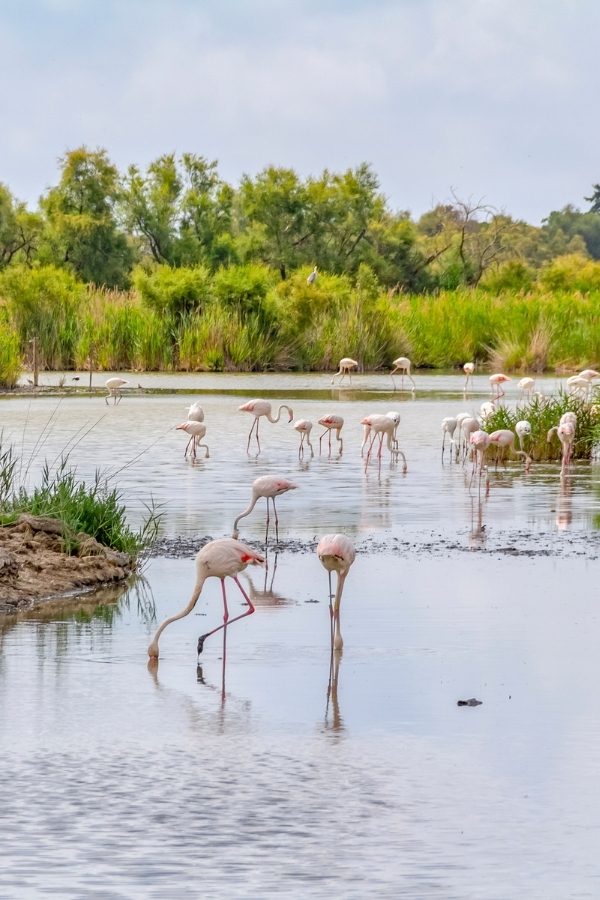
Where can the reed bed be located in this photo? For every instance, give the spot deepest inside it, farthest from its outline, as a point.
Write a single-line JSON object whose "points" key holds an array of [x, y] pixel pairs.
{"points": [[244, 319]]}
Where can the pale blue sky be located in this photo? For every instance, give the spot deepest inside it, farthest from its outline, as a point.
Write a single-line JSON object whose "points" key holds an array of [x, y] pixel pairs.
{"points": [[496, 99]]}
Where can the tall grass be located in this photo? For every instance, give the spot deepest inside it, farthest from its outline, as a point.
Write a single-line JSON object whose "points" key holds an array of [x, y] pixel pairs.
{"points": [[95, 510], [245, 319]]}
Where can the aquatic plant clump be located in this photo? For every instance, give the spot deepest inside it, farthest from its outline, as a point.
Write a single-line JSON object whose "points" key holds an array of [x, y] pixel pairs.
{"points": [[543, 413], [93, 509]]}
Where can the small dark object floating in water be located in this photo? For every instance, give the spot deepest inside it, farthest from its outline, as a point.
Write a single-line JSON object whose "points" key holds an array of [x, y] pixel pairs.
{"points": [[471, 702]]}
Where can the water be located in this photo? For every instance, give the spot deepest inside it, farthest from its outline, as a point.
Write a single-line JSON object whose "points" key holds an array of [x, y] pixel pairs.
{"points": [[244, 779]]}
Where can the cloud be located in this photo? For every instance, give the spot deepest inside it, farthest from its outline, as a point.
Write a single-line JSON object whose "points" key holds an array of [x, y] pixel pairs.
{"points": [[494, 97]]}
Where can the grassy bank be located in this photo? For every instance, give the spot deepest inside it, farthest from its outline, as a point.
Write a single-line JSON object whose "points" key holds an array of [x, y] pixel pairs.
{"points": [[245, 318]]}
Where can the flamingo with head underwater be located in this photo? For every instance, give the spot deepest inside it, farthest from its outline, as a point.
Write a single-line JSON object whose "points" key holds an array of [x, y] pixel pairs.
{"points": [[260, 408], [347, 364], [269, 487], [223, 558], [336, 553]]}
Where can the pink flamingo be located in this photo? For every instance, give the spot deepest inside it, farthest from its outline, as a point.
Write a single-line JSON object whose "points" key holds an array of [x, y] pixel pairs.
{"points": [[269, 487], [346, 366], [304, 427], [496, 381], [382, 426], [402, 365], [479, 441], [566, 435], [468, 369], [504, 438], [113, 386], [332, 423], [197, 430], [468, 426], [260, 408], [220, 559], [336, 553]]}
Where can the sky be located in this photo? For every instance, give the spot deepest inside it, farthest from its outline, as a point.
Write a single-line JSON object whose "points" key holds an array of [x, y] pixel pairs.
{"points": [[494, 100]]}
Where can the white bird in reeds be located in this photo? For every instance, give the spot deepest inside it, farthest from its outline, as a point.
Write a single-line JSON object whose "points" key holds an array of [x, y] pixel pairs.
{"points": [[113, 386], [402, 365], [223, 558], [312, 277], [336, 553]]}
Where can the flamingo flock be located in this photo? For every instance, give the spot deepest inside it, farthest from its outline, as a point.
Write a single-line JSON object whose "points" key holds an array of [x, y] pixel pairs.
{"points": [[464, 436]]}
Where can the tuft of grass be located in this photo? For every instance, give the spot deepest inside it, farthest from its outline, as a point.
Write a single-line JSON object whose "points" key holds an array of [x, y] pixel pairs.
{"points": [[95, 509]]}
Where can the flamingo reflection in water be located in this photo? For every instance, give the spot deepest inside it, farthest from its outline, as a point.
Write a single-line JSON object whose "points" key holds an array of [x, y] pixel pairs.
{"points": [[336, 725]]}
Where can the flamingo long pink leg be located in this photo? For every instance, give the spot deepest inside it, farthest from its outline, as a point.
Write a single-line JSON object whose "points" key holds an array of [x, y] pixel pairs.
{"points": [[229, 622]]}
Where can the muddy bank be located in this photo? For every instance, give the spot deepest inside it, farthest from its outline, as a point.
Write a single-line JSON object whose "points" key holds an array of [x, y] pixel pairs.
{"points": [[35, 565], [425, 544]]}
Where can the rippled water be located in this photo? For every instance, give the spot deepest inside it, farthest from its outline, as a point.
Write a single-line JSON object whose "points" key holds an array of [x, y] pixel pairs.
{"points": [[244, 778]]}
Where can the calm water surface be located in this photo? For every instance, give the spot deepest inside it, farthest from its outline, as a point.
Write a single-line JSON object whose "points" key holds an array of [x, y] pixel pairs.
{"points": [[243, 778]]}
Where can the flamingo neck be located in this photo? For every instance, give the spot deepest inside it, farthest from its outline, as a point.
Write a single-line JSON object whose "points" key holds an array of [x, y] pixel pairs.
{"points": [[246, 511], [153, 648]]}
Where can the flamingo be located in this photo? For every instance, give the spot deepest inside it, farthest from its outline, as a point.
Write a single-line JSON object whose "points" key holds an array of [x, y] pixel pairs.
{"points": [[479, 440], [382, 425], [312, 277], [577, 384], [304, 427], [269, 487], [526, 386], [486, 410], [565, 432], [589, 375], [260, 408], [468, 369], [331, 423], [346, 366], [496, 381], [469, 425], [504, 438], [195, 413], [449, 424], [523, 430], [336, 553], [395, 416], [113, 386], [460, 418], [220, 559], [569, 417], [402, 364], [196, 430]]}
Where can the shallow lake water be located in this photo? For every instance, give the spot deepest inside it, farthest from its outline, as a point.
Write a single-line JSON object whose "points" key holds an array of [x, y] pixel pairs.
{"points": [[267, 774]]}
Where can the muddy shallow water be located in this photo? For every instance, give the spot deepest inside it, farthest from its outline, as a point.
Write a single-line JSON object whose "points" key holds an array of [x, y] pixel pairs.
{"points": [[244, 779]]}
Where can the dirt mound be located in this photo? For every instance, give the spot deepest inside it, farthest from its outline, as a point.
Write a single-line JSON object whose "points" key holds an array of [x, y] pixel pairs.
{"points": [[41, 560]]}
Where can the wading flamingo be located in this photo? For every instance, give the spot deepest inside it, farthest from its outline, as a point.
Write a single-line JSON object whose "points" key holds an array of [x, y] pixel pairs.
{"points": [[336, 553], [579, 385], [381, 426], [269, 487], [260, 408], [460, 418], [196, 430], [479, 441], [486, 410], [402, 365], [331, 423], [195, 413], [449, 424], [395, 417], [113, 386], [526, 386], [523, 430], [304, 427], [503, 438], [346, 366], [566, 435], [468, 369], [312, 277], [468, 426], [496, 382], [219, 559]]}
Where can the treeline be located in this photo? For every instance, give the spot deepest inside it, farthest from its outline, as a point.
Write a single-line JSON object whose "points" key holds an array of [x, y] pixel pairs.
{"points": [[100, 224]]}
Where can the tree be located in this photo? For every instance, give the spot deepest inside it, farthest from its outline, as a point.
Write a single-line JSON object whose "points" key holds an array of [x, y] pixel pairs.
{"points": [[594, 199], [19, 230], [150, 206], [562, 226], [82, 229]]}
